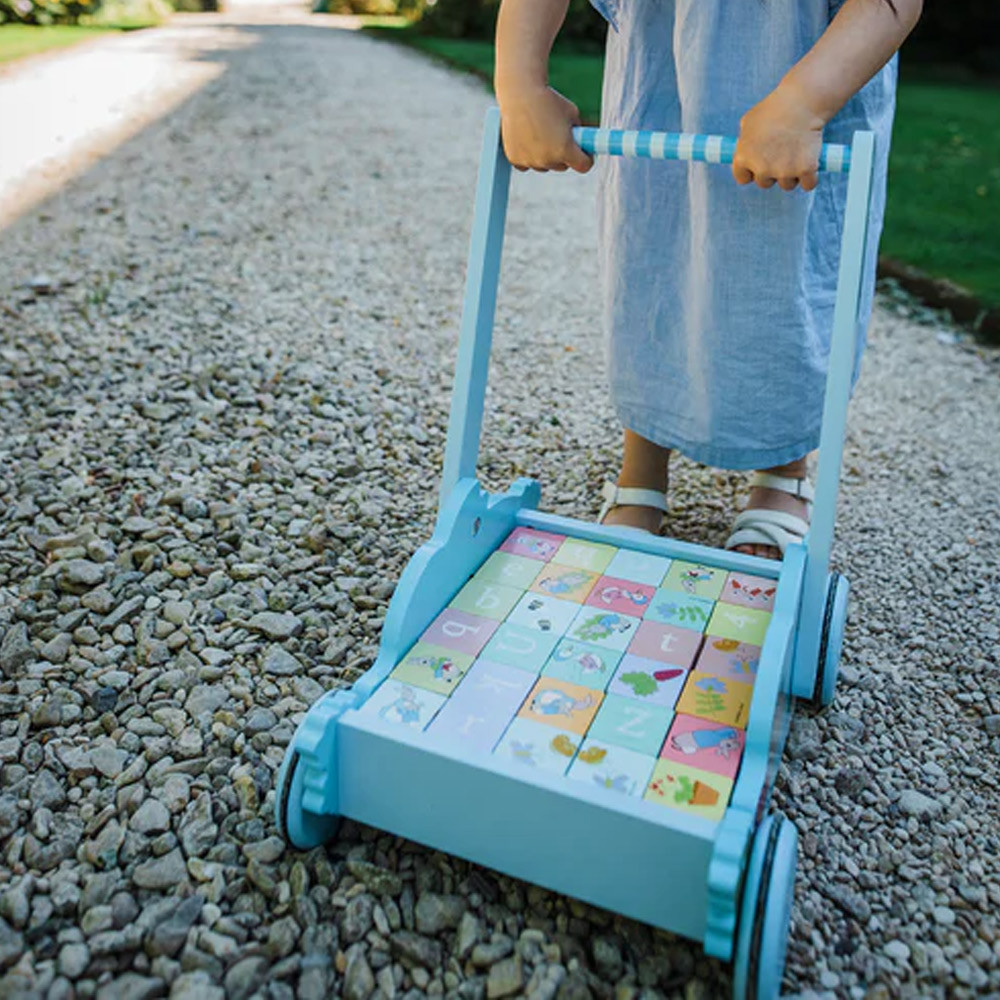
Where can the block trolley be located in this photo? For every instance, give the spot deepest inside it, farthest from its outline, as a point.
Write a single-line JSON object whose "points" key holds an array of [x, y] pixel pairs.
{"points": [[593, 709]]}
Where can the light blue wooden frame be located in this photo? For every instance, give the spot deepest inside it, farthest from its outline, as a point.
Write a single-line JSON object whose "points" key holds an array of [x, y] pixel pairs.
{"points": [[632, 856], [465, 421]]}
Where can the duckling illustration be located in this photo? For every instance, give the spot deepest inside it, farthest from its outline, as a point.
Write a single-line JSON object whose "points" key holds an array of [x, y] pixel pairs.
{"points": [[592, 755]]}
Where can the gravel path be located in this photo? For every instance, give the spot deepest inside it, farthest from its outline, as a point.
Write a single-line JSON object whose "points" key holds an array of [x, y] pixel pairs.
{"points": [[224, 376]]}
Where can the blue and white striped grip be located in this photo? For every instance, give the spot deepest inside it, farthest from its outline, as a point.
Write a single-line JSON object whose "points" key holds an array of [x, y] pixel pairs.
{"points": [[833, 158]]}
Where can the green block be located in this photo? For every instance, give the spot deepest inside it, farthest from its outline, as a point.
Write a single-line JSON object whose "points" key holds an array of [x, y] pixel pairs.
{"points": [[510, 570], [731, 621], [432, 668], [486, 599], [624, 722], [696, 579]]}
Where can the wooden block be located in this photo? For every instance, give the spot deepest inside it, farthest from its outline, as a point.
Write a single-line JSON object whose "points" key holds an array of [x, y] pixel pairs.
{"points": [[610, 629], [498, 686], [459, 631], [648, 681], [672, 607], [695, 579], [433, 668], [592, 556], [486, 599], [640, 567], [532, 544], [538, 612], [603, 764], [582, 663], [560, 704], [567, 583], [527, 649], [730, 658], [666, 643], [624, 596], [710, 746], [716, 698], [518, 572], [750, 591], [482, 706], [624, 722], [730, 621], [468, 727], [403, 704], [689, 789], [531, 744]]}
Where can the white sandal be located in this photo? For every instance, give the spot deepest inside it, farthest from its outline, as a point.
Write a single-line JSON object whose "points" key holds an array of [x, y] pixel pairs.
{"points": [[776, 528], [630, 496]]}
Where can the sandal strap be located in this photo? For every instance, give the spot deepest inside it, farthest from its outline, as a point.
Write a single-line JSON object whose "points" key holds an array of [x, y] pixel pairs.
{"points": [[791, 485], [632, 496], [767, 527], [760, 516]]}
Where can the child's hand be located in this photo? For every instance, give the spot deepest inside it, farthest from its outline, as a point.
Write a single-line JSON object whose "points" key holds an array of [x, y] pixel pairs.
{"points": [[780, 142], [535, 125]]}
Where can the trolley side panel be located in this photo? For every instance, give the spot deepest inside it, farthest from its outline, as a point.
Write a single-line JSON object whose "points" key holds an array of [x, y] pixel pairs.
{"points": [[640, 859]]}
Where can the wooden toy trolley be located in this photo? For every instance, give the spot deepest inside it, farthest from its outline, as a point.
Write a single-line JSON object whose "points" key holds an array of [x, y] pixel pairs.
{"points": [[583, 706]]}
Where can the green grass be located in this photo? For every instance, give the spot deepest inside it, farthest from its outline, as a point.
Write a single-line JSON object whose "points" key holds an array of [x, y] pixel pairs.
{"points": [[943, 215], [19, 40], [573, 73]]}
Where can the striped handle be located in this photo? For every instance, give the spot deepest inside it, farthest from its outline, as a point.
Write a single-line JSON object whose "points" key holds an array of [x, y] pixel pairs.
{"points": [[833, 158]]}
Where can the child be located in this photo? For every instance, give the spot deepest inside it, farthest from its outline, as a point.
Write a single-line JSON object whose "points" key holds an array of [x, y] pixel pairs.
{"points": [[718, 300]]}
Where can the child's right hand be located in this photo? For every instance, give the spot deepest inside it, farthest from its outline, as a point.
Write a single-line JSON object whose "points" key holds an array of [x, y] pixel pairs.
{"points": [[535, 126]]}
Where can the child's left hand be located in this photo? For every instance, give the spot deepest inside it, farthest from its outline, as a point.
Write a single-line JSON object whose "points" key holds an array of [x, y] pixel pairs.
{"points": [[779, 143]]}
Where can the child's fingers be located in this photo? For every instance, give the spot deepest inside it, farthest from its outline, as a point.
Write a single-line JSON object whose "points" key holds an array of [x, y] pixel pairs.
{"points": [[742, 174], [577, 159], [788, 183], [809, 180]]}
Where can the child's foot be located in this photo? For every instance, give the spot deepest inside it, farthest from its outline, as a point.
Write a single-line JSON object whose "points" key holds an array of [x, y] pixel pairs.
{"points": [[786, 496], [639, 500]]}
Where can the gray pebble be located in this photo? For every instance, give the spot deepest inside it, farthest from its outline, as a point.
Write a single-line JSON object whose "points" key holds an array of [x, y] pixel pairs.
{"points": [[16, 650], [281, 663], [434, 913], [378, 880], [161, 873], [914, 803], [359, 981], [275, 625]]}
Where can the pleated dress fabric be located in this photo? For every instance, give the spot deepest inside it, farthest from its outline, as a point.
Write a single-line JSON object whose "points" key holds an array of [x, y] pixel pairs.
{"points": [[718, 299]]}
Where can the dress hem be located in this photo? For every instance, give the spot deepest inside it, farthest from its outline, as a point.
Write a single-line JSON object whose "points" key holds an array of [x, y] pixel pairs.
{"points": [[736, 459]]}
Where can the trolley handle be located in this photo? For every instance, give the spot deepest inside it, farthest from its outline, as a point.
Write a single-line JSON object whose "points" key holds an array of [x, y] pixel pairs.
{"points": [[834, 158]]}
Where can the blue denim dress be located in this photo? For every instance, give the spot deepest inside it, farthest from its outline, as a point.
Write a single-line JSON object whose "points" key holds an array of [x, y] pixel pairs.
{"points": [[718, 299]]}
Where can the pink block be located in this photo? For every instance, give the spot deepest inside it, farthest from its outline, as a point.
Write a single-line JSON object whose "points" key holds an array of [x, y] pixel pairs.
{"points": [[458, 630], [666, 643], [749, 591], [623, 596], [534, 544], [712, 746], [737, 661]]}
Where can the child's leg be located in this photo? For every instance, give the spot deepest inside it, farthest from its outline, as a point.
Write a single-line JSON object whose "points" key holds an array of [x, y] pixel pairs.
{"points": [[644, 465], [762, 498]]}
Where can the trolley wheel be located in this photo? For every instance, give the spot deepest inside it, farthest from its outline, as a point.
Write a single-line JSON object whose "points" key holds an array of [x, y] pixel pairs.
{"points": [[762, 933], [831, 639], [300, 828]]}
